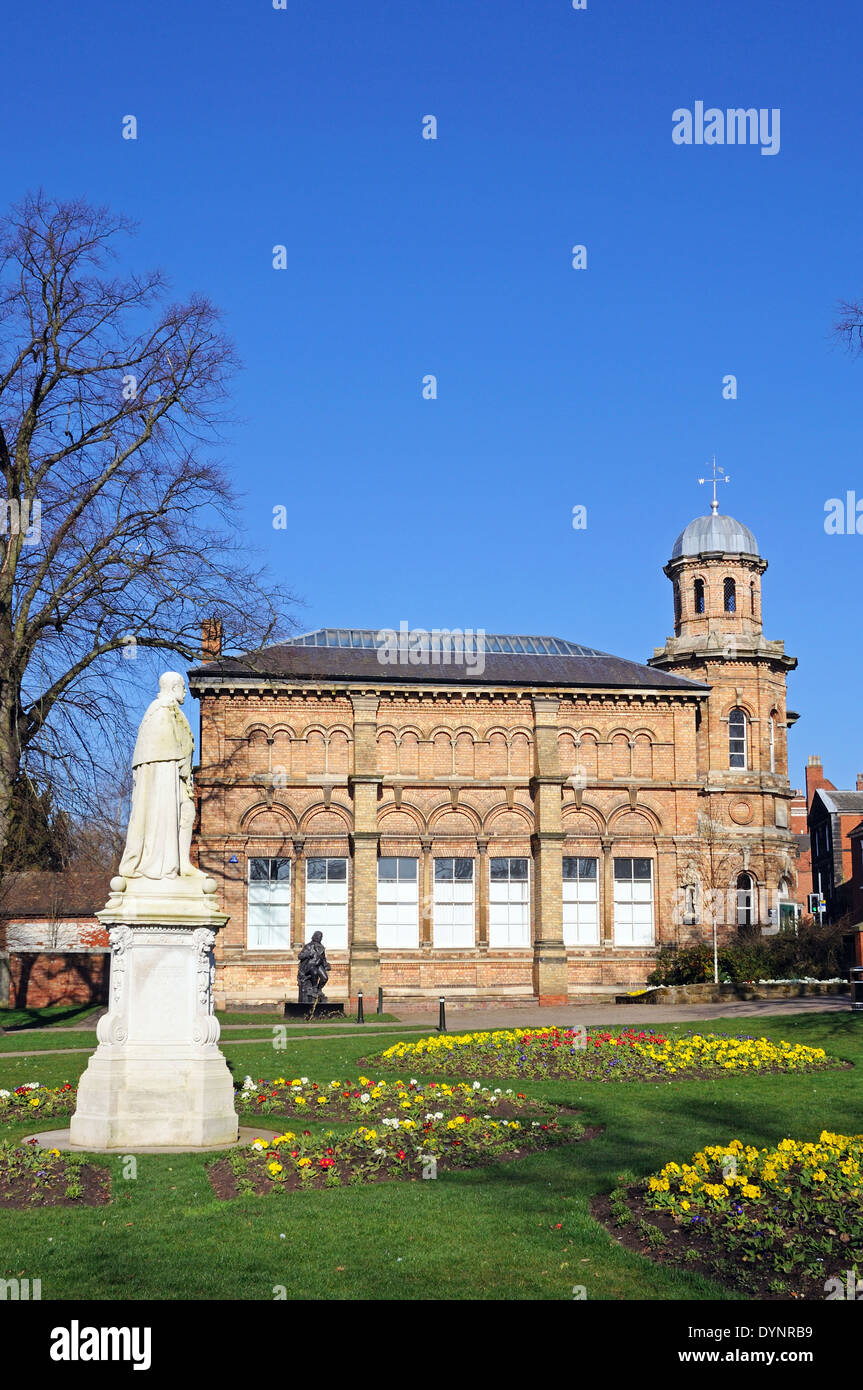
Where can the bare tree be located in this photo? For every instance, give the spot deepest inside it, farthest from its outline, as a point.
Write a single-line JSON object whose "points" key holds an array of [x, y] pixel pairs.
{"points": [[849, 325], [121, 529]]}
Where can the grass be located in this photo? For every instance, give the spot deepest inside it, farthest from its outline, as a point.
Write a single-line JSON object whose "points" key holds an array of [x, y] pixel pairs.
{"points": [[52, 1016], [518, 1230]]}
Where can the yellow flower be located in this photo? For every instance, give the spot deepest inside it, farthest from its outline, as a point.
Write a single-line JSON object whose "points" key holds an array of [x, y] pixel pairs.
{"points": [[274, 1167], [303, 1162]]}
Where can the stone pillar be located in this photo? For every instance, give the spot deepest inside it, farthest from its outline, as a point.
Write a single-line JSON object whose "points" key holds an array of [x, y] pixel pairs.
{"points": [[607, 901], [549, 952], [157, 1078], [427, 898], [365, 962], [482, 895], [298, 895]]}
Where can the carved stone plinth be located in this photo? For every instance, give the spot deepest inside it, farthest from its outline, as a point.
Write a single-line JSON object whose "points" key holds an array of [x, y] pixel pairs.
{"points": [[158, 1077]]}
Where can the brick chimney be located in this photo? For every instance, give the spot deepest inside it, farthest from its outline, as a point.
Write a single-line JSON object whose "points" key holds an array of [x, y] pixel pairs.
{"points": [[860, 781], [815, 777], [211, 639]]}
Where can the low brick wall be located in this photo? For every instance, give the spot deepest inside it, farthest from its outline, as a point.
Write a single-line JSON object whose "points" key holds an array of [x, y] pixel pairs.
{"points": [[39, 978], [716, 994]]}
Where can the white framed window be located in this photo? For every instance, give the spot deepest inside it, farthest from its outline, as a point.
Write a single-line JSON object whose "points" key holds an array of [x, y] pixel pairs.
{"points": [[737, 738], [633, 902], [269, 905], [453, 903], [327, 901], [580, 902], [745, 900], [398, 904], [508, 902]]}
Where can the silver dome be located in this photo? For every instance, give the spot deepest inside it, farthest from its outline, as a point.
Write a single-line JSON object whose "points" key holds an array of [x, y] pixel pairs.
{"points": [[714, 532]]}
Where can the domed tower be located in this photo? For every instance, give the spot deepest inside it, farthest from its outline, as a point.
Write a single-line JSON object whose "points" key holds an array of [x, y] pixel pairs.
{"points": [[741, 730]]}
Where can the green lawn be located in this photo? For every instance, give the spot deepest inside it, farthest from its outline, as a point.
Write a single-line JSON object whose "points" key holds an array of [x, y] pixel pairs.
{"points": [[52, 1016], [491, 1233]]}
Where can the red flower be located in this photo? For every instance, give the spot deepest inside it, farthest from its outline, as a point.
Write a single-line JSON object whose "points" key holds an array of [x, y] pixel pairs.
{"points": [[307, 1131], [401, 1153]]}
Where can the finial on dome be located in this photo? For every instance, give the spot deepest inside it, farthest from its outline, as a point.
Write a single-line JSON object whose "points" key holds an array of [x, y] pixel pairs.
{"points": [[719, 476]]}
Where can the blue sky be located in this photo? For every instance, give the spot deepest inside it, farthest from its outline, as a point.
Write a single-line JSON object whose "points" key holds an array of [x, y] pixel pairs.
{"points": [[406, 256]]}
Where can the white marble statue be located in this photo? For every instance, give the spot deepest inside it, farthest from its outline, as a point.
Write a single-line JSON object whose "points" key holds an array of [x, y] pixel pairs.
{"points": [[163, 807]]}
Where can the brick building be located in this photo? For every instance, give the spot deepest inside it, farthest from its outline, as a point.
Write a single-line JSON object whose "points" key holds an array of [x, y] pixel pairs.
{"points": [[832, 816], [53, 949], [521, 826]]}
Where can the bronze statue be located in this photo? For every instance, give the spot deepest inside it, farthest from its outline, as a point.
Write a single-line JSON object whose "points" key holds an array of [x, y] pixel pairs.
{"points": [[313, 971]]}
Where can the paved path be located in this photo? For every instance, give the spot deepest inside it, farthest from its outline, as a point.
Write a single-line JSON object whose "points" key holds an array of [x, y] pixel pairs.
{"points": [[573, 1015]]}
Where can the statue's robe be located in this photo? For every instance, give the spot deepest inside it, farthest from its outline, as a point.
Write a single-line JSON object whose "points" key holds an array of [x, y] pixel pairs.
{"points": [[161, 793]]}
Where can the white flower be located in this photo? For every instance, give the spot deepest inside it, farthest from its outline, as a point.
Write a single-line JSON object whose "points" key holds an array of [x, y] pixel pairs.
{"points": [[438, 1115], [305, 1080], [4, 1095], [365, 1098], [382, 1152], [477, 1086]]}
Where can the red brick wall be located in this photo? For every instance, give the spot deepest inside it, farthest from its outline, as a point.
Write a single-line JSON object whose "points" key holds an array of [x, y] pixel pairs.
{"points": [[41, 978]]}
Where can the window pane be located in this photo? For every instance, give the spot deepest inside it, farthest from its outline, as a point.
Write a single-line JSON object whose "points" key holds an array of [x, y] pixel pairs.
{"points": [[587, 868], [642, 868], [518, 868], [258, 869], [407, 870], [316, 870], [623, 868], [337, 870], [499, 868], [281, 870], [443, 870], [463, 868], [387, 868]]}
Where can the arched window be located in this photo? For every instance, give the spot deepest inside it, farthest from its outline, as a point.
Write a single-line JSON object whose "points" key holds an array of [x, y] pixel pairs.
{"points": [[772, 734], [699, 595], [752, 598], [737, 738], [744, 900], [677, 604], [729, 593]]}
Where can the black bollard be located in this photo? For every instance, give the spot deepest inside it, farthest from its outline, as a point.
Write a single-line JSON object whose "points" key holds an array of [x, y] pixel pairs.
{"points": [[361, 1018], [380, 999], [441, 1023]]}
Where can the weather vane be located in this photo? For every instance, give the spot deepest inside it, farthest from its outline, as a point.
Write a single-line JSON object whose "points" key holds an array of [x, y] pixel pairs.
{"points": [[719, 476]]}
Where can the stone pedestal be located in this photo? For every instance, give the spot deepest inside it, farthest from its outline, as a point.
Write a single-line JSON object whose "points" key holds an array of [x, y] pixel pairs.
{"points": [[158, 1078]]}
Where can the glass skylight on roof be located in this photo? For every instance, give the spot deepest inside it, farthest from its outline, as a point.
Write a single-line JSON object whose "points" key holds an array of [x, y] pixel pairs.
{"points": [[510, 644]]}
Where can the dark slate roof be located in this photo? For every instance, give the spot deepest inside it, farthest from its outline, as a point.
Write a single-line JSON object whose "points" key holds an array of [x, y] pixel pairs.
{"points": [[553, 662], [842, 803], [39, 893]]}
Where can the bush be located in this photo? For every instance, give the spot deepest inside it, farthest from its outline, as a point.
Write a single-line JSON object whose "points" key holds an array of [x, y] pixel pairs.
{"points": [[813, 951]]}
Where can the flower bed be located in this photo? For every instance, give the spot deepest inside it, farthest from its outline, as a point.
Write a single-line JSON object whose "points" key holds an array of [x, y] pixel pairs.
{"points": [[31, 1176], [563, 1053], [775, 1222], [34, 1098], [365, 1099], [394, 1149]]}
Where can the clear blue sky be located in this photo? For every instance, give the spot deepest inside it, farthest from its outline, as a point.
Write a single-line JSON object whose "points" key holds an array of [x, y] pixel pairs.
{"points": [[405, 257]]}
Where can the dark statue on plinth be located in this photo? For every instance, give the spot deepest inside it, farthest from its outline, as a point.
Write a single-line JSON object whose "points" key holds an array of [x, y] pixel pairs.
{"points": [[313, 972]]}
